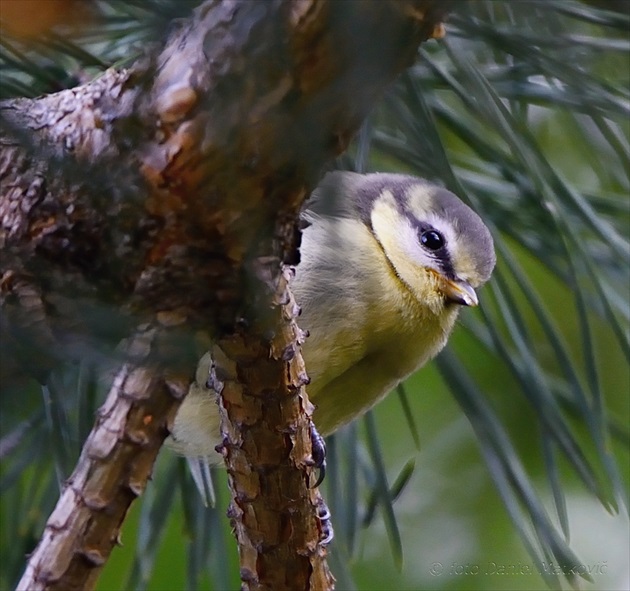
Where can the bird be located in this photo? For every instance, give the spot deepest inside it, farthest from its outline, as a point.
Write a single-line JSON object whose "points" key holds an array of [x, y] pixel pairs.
{"points": [[386, 263]]}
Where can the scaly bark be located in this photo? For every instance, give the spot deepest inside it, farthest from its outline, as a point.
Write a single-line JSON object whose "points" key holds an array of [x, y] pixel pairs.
{"points": [[114, 467]]}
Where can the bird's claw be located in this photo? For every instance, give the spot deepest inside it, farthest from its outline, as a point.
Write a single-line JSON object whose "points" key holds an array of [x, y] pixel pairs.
{"points": [[325, 525], [318, 453]]}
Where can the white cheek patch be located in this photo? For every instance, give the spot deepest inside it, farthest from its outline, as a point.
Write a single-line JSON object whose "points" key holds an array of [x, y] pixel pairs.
{"points": [[398, 236]]}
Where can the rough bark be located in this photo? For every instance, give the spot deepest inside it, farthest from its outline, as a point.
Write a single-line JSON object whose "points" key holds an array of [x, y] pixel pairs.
{"points": [[274, 511], [114, 467], [171, 190]]}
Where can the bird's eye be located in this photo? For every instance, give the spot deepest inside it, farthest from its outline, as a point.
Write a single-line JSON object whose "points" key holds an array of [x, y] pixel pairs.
{"points": [[432, 239]]}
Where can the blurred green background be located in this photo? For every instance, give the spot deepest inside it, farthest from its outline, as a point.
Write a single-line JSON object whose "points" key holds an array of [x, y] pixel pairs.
{"points": [[522, 424]]}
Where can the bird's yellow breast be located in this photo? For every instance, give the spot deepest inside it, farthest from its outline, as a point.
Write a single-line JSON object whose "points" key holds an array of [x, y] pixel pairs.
{"points": [[367, 330]]}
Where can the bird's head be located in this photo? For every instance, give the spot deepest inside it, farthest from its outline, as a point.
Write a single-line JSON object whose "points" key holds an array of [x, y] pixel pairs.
{"points": [[436, 245]]}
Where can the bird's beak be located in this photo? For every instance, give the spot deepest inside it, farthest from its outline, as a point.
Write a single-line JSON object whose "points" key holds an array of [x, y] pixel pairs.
{"points": [[459, 292]]}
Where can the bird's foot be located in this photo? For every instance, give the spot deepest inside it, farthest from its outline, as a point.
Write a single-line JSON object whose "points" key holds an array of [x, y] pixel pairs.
{"points": [[326, 531], [318, 453]]}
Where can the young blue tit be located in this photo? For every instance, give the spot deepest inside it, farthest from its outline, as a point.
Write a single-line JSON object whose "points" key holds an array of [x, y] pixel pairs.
{"points": [[387, 261]]}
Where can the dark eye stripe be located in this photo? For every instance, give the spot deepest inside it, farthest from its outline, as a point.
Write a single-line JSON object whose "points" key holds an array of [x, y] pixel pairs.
{"points": [[428, 236]]}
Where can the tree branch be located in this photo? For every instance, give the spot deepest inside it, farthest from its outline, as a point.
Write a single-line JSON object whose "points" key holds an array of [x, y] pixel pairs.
{"points": [[114, 467], [172, 190], [266, 424]]}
